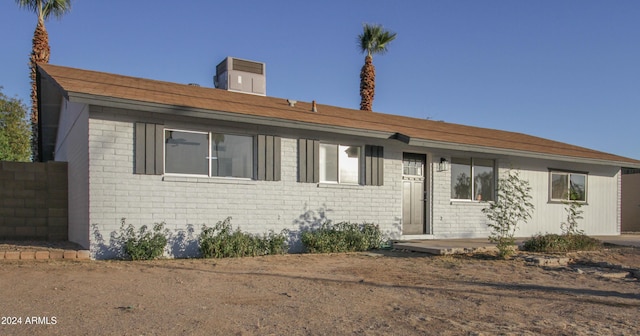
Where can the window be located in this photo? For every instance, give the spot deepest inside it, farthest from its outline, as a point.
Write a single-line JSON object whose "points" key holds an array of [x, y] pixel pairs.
{"points": [[339, 164], [231, 155], [210, 154], [413, 165], [186, 153], [567, 186], [472, 179]]}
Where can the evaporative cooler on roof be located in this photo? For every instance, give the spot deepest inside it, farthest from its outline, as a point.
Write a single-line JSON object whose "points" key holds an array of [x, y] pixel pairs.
{"points": [[240, 75]]}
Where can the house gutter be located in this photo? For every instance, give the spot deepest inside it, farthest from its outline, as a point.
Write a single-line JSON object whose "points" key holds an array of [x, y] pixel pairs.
{"points": [[251, 119]]}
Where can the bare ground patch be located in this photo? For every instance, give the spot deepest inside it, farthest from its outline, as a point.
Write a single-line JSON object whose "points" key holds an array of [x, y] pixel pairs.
{"points": [[361, 294]]}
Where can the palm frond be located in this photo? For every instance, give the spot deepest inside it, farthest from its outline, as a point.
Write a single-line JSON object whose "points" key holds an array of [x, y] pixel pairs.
{"points": [[45, 8], [374, 39], [56, 7]]}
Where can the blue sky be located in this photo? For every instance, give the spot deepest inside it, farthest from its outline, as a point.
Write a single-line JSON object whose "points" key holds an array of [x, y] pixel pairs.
{"points": [[563, 70]]}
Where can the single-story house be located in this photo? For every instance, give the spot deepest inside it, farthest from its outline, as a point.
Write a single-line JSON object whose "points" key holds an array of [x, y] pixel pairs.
{"points": [[152, 151]]}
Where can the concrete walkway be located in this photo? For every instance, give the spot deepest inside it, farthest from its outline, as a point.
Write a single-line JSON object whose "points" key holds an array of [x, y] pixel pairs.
{"points": [[459, 246], [622, 240]]}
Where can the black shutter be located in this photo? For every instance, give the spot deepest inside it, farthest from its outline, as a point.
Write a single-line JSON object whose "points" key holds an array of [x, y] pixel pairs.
{"points": [[268, 157], [373, 165], [308, 161], [149, 140]]}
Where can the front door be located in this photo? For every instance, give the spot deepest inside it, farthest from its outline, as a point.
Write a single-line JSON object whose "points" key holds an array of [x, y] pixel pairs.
{"points": [[414, 194]]}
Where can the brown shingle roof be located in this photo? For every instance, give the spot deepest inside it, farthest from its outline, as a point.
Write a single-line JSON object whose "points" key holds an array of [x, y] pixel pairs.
{"points": [[144, 90]]}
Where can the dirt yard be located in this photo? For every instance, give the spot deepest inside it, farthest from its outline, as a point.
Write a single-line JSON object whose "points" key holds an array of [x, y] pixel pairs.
{"points": [[379, 293]]}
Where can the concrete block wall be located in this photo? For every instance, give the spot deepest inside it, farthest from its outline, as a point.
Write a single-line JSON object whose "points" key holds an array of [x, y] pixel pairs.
{"points": [[186, 203], [33, 200]]}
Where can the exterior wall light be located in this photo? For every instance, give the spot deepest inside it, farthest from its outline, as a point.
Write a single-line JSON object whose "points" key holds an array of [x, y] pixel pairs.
{"points": [[443, 165]]}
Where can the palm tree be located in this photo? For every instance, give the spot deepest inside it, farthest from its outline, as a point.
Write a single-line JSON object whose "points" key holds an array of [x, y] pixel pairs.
{"points": [[373, 40], [40, 52]]}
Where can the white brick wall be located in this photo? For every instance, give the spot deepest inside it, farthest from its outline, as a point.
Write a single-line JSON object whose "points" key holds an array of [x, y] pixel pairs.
{"points": [[186, 203], [454, 219], [72, 147], [255, 206]]}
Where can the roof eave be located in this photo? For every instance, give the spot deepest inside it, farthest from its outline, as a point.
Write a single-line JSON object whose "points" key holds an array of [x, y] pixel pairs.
{"points": [[220, 115], [519, 153], [252, 119]]}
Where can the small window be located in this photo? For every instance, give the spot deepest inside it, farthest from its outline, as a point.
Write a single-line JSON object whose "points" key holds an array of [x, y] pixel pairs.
{"points": [[413, 165], [567, 186], [339, 164], [472, 179]]}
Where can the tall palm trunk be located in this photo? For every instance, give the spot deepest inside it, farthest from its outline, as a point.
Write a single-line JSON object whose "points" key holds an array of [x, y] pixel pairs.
{"points": [[39, 54], [367, 84]]}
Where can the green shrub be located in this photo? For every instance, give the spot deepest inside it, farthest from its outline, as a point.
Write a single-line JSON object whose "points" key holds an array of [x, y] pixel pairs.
{"points": [[143, 244], [512, 206], [570, 227], [221, 241], [561, 243], [342, 237]]}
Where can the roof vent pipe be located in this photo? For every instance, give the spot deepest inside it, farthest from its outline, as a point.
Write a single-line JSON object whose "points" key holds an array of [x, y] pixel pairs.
{"points": [[314, 107], [292, 103]]}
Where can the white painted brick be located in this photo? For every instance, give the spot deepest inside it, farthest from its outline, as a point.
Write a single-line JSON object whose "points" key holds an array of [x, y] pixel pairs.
{"points": [[256, 206]]}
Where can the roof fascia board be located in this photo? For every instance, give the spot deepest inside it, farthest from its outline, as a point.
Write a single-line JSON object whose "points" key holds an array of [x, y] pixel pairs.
{"points": [[236, 117], [220, 115], [518, 153]]}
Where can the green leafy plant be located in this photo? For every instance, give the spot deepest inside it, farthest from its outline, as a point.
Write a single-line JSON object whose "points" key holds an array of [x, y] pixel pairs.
{"points": [[143, 244], [14, 130], [222, 241], [574, 213], [511, 207], [571, 238], [561, 243], [342, 237]]}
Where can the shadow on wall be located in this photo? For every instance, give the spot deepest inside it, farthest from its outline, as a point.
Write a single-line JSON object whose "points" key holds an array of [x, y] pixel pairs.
{"points": [[180, 244], [307, 221], [101, 250], [183, 243], [396, 232]]}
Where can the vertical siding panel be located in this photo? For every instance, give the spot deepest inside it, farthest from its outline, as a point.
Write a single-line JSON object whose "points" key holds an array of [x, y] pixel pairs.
{"points": [[150, 148], [368, 169], [277, 153], [140, 139], [159, 152], [269, 158], [315, 158], [373, 165], [310, 162], [302, 160], [261, 157], [380, 180]]}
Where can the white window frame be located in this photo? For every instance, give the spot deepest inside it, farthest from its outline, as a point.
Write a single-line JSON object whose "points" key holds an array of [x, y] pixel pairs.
{"points": [[568, 174], [209, 154], [472, 184], [360, 152]]}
